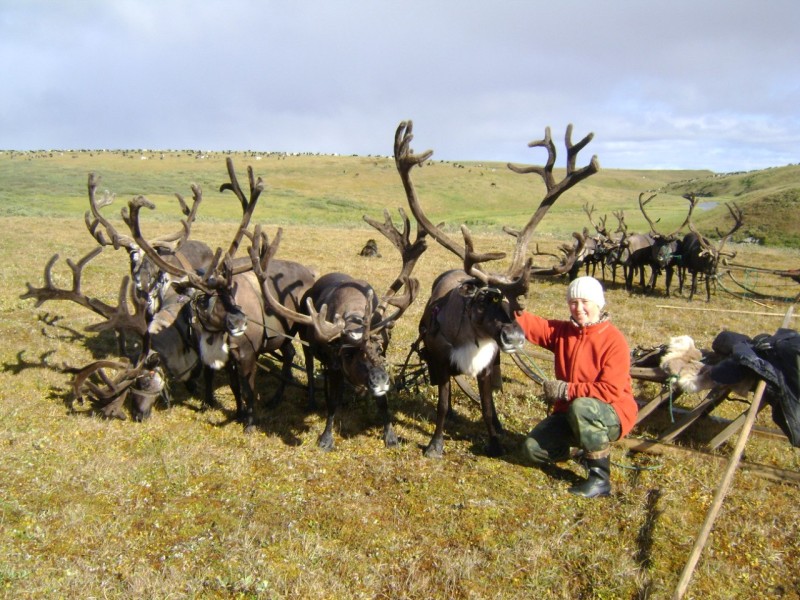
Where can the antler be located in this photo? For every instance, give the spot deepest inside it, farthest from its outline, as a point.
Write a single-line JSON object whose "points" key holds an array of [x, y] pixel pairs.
{"points": [[622, 227], [96, 223], [117, 317], [410, 252], [642, 203], [738, 220], [82, 383], [405, 160], [110, 392], [601, 228], [207, 283], [554, 188], [174, 241], [261, 252], [571, 254], [248, 206]]}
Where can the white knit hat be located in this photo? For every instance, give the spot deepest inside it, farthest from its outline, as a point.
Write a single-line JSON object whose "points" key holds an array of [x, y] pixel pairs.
{"points": [[586, 288]]}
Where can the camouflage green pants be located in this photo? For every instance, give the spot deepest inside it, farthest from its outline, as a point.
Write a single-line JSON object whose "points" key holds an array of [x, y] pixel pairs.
{"points": [[589, 424]]}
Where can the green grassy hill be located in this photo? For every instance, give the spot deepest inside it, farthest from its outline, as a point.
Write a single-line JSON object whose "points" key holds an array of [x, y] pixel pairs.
{"points": [[339, 190], [769, 198]]}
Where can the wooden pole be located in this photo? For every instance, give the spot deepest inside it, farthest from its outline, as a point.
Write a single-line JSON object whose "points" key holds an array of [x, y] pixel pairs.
{"points": [[787, 320], [719, 496], [725, 484]]}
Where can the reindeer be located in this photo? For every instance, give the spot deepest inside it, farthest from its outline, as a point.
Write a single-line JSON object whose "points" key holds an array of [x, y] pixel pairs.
{"points": [[151, 284], [666, 251], [701, 257], [143, 382], [633, 253], [232, 323], [164, 333], [351, 345], [596, 247], [469, 317]]}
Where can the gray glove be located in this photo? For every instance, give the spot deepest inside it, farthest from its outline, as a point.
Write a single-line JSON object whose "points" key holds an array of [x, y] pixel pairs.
{"points": [[554, 390]]}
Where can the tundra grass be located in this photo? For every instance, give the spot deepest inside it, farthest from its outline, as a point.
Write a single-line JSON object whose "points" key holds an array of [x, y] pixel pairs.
{"points": [[186, 505]]}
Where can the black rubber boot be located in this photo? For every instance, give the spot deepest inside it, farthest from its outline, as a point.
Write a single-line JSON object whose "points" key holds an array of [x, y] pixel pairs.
{"points": [[599, 481]]}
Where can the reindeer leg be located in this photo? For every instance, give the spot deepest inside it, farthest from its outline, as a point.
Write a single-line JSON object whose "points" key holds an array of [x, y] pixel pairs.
{"points": [[435, 448], [389, 436], [334, 386], [247, 379], [493, 426], [208, 388], [234, 380], [288, 354], [668, 279]]}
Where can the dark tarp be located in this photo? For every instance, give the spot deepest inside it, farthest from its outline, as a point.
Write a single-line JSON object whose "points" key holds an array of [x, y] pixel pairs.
{"points": [[773, 358]]}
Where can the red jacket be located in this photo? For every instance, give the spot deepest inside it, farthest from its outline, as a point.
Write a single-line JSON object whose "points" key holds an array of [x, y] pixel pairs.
{"points": [[595, 361]]}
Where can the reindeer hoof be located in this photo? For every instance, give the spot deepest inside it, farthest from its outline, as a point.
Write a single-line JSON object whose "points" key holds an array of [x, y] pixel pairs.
{"points": [[325, 442], [434, 450], [495, 448], [390, 439]]}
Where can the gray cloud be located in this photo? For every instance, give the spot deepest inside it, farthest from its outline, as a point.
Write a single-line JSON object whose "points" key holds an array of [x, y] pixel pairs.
{"points": [[702, 84]]}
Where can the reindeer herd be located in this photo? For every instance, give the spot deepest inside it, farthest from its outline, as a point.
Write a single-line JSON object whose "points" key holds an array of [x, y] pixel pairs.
{"points": [[690, 253], [195, 311]]}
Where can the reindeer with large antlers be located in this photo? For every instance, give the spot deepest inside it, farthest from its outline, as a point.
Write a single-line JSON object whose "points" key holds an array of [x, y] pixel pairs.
{"points": [[633, 252], [230, 319], [700, 256], [143, 382], [469, 316], [666, 251], [345, 327], [151, 284]]}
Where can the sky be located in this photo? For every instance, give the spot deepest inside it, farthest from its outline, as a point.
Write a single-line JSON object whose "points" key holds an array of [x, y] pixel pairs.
{"points": [[677, 84]]}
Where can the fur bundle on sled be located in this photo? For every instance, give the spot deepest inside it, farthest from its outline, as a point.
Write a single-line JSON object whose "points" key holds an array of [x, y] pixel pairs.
{"points": [[694, 370]]}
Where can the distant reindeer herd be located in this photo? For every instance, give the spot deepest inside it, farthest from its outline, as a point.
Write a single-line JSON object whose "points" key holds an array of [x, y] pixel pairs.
{"points": [[195, 311], [687, 253]]}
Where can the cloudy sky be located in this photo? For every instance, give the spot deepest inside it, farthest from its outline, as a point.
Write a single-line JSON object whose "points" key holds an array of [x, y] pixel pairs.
{"points": [[698, 84]]}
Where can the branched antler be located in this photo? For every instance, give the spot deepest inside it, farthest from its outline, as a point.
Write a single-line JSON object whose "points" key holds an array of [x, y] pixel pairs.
{"points": [[410, 252], [248, 205], [118, 317], [554, 188], [261, 252]]}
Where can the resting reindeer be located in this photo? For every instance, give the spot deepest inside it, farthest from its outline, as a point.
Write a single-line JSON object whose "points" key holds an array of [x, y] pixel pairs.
{"points": [[469, 318], [231, 320], [349, 332]]}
